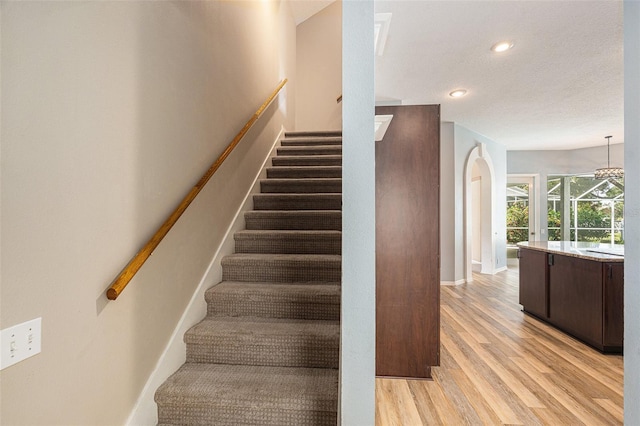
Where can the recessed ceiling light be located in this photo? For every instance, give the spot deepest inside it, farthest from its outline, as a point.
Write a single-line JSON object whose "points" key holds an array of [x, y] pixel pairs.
{"points": [[502, 46], [458, 93]]}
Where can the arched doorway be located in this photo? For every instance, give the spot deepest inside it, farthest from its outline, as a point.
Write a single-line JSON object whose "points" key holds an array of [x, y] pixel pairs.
{"points": [[479, 194]]}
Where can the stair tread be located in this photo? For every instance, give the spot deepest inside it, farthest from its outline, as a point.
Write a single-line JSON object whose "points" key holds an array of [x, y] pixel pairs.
{"points": [[250, 328], [287, 233], [308, 157], [323, 185], [227, 385], [298, 201], [315, 291], [311, 300], [318, 159], [305, 188], [310, 168], [299, 133], [288, 241], [279, 256], [295, 147], [257, 267], [291, 137], [302, 180], [302, 148], [311, 141], [304, 168], [293, 212], [250, 340], [293, 219], [306, 160], [301, 195]]}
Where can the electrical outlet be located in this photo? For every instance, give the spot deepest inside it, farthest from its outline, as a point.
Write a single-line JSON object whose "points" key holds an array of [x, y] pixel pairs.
{"points": [[20, 342]]}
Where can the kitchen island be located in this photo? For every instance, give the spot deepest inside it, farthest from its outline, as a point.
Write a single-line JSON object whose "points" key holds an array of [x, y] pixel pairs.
{"points": [[577, 287]]}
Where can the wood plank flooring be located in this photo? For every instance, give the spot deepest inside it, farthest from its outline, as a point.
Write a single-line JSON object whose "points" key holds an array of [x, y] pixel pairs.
{"points": [[499, 366]]}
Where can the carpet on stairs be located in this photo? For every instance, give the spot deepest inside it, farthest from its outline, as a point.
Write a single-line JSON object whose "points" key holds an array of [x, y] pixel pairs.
{"points": [[267, 351]]}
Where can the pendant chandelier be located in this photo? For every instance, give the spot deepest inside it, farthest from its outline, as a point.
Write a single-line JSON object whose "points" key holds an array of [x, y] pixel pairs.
{"points": [[608, 172]]}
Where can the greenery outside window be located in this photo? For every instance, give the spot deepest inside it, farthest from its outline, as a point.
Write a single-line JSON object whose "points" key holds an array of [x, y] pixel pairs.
{"points": [[517, 213], [596, 209]]}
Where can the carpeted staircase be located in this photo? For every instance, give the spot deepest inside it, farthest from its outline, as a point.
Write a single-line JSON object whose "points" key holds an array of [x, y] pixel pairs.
{"points": [[267, 351]]}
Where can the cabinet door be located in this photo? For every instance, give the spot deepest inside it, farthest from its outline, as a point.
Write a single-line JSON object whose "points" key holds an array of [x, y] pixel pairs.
{"points": [[575, 297], [613, 305], [533, 282]]}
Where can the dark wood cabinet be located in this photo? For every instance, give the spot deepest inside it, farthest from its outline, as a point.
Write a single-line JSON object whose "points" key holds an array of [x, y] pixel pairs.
{"points": [[582, 297], [534, 285], [408, 242], [575, 297]]}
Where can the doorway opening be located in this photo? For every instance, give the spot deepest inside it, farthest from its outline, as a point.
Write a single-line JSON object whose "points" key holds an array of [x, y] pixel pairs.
{"points": [[522, 218], [480, 245]]}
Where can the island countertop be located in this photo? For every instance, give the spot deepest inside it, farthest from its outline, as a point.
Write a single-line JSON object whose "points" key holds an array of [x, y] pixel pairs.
{"points": [[591, 251]]}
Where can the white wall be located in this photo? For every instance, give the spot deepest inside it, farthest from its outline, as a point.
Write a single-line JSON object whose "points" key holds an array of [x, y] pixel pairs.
{"points": [[632, 211], [111, 111], [476, 222], [319, 70], [560, 162], [575, 161], [358, 317], [456, 142], [447, 203]]}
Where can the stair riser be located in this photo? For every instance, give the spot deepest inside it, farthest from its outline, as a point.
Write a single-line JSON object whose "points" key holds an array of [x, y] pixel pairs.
{"points": [[311, 141], [274, 352], [284, 202], [282, 272], [310, 150], [327, 308], [202, 414], [297, 186], [303, 172], [309, 245], [301, 221], [318, 160]]}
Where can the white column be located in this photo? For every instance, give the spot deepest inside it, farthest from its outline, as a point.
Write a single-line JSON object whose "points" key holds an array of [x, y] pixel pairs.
{"points": [[632, 211], [358, 320]]}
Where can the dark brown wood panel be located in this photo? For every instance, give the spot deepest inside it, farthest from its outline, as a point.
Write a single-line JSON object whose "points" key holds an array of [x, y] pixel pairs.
{"points": [[534, 292], [408, 242], [575, 297]]}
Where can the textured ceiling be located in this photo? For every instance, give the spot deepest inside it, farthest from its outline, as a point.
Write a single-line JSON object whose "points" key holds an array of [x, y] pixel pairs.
{"points": [[560, 87]]}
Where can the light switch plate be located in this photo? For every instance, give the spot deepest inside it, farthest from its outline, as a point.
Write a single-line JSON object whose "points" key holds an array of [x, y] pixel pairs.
{"points": [[20, 342]]}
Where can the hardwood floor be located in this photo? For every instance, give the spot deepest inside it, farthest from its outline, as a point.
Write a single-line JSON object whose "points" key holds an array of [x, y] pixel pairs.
{"points": [[499, 366]]}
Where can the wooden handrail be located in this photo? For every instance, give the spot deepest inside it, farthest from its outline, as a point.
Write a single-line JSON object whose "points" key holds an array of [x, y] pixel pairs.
{"points": [[121, 281]]}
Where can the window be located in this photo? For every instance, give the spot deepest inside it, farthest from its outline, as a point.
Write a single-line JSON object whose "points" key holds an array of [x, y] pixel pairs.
{"points": [[596, 209]]}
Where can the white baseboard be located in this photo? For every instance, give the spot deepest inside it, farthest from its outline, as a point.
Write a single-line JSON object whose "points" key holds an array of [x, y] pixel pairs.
{"points": [[494, 271], [458, 282], [145, 411]]}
